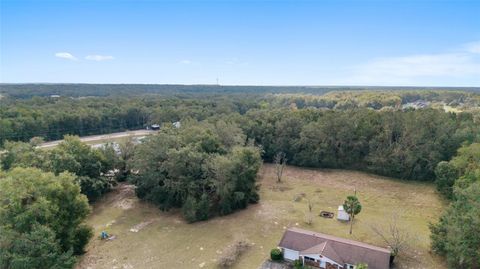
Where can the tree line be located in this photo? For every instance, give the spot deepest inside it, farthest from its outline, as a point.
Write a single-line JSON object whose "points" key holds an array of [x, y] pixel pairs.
{"points": [[44, 200], [401, 144], [378, 99], [457, 234], [21, 120], [90, 166], [52, 118]]}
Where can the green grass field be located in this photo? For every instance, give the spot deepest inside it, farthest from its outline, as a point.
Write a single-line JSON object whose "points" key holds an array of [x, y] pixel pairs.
{"points": [[163, 240]]}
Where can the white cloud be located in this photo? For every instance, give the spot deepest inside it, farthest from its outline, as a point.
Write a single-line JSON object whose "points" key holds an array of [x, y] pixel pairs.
{"points": [[185, 62], [232, 61], [235, 61], [66, 55], [473, 47], [99, 58], [409, 70]]}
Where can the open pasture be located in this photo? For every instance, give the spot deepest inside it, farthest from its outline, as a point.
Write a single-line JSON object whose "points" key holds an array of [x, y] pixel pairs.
{"points": [[146, 237]]}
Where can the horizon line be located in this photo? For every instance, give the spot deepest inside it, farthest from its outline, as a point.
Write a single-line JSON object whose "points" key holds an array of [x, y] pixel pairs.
{"points": [[237, 85]]}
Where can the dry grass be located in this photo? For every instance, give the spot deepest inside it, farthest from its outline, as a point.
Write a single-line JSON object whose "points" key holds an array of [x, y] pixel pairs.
{"points": [[230, 254], [169, 242]]}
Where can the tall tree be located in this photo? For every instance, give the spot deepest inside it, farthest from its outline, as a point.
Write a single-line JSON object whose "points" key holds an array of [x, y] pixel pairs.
{"points": [[127, 151], [457, 234], [35, 248], [445, 175], [88, 164], [42, 223], [353, 207], [280, 161]]}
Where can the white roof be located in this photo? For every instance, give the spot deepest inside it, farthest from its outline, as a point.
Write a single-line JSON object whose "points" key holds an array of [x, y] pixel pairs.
{"points": [[340, 207]]}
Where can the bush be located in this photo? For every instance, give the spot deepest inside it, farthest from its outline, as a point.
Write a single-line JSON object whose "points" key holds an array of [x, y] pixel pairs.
{"points": [[445, 174], [361, 266], [82, 235], [93, 188], [189, 209], [297, 264], [203, 208], [37, 248], [232, 252], [276, 254]]}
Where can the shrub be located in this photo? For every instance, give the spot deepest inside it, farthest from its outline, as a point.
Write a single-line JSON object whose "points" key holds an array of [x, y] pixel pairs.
{"points": [[297, 264], [361, 266], [93, 188], [203, 208], [189, 209], [445, 174], [232, 252], [82, 235], [37, 248], [276, 254]]}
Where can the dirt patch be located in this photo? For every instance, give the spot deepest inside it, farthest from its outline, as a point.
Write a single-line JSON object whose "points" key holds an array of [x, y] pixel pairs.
{"points": [[141, 225], [281, 187], [125, 196]]}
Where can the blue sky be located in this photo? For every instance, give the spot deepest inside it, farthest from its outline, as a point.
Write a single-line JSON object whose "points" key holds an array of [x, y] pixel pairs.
{"points": [[425, 43]]}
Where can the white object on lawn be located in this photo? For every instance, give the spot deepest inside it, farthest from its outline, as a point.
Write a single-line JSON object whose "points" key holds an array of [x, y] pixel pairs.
{"points": [[342, 214]]}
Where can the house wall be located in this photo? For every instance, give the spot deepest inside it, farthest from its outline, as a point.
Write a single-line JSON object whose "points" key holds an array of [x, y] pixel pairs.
{"points": [[323, 260], [342, 215], [289, 254]]}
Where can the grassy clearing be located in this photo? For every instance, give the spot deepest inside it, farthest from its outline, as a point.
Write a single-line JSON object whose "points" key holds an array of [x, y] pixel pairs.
{"points": [[164, 240]]}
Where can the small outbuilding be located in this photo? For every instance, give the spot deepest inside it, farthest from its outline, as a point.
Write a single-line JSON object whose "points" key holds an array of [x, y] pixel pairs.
{"points": [[342, 214]]}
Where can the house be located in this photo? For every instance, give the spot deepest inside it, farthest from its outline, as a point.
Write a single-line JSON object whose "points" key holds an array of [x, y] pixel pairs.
{"points": [[342, 214], [419, 104], [330, 252]]}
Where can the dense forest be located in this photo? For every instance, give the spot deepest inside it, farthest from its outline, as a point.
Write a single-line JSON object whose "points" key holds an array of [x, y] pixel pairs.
{"points": [[208, 166], [400, 144], [25, 91], [52, 118]]}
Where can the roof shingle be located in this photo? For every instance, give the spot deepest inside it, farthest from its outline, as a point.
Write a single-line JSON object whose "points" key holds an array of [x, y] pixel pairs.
{"points": [[338, 249]]}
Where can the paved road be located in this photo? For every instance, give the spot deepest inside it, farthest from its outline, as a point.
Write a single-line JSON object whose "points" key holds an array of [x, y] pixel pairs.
{"points": [[94, 138]]}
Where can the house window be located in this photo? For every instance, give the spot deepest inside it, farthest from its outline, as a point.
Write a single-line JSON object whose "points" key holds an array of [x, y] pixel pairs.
{"points": [[349, 266], [309, 259]]}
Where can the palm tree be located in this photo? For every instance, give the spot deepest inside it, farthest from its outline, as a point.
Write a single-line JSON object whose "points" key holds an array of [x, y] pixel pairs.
{"points": [[352, 206]]}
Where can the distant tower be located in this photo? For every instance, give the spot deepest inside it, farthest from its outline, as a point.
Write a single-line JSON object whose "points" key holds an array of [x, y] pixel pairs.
{"points": [[217, 81]]}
